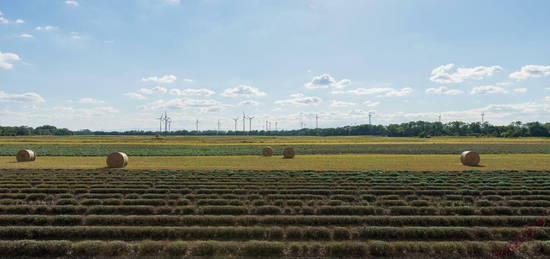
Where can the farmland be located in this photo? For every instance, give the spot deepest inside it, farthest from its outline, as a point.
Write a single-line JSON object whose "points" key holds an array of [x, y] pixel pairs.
{"points": [[133, 213], [217, 197], [223, 146]]}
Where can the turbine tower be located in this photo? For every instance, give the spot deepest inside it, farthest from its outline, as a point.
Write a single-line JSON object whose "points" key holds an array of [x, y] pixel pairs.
{"points": [[250, 123], [244, 122], [219, 125], [236, 121], [197, 125], [370, 117], [316, 121], [482, 117], [160, 121]]}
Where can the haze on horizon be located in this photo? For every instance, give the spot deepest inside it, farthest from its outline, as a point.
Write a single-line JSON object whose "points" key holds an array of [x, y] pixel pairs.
{"points": [[116, 65]]}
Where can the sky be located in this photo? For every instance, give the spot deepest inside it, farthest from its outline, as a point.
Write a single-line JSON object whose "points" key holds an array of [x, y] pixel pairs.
{"points": [[117, 65]]}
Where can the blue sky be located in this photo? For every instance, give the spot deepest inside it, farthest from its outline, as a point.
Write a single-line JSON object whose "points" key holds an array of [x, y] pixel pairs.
{"points": [[116, 65]]}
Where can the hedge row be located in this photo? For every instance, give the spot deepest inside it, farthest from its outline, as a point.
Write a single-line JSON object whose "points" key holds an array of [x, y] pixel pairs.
{"points": [[265, 233], [262, 249], [266, 210], [211, 220]]}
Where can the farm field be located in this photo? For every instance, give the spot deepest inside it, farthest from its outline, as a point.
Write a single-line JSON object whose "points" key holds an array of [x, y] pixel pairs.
{"points": [[132, 213], [222, 146], [345, 162]]}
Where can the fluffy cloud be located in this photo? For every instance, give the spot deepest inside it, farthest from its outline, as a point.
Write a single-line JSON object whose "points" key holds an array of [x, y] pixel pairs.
{"points": [[184, 103], [520, 90], [371, 103], [488, 89], [547, 98], [71, 112], [6, 58], [243, 91], [154, 90], [71, 3], [248, 103], [5, 20], [172, 2], [21, 98], [443, 90], [90, 101], [444, 74], [136, 96], [166, 79], [380, 91], [326, 81], [45, 28], [531, 71], [341, 104], [300, 100], [19, 21], [26, 36], [190, 91]]}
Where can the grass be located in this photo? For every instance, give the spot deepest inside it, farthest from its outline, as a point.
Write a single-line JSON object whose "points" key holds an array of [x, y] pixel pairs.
{"points": [[301, 162]]}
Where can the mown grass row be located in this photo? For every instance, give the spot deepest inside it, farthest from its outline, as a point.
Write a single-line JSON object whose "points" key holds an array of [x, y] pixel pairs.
{"points": [[263, 249]]}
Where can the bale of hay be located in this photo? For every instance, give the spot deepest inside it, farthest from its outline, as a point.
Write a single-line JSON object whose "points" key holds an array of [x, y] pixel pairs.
{"points": [[267, 151], [117, 160], [470, 158], [289, 152], [25, 155]]}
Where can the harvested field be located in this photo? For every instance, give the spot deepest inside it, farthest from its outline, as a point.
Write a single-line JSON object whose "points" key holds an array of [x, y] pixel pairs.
{"points": [[114, 212]]}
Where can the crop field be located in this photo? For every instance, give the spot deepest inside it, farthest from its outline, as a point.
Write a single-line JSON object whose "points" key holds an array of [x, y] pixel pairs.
{"points": [[223, 146], [131, 213]]}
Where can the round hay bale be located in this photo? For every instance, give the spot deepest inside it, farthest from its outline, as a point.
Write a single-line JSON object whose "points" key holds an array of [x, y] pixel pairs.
{"points": [[117, 160], [470, 158], [267, 151], [289, 152], [25, 155]]}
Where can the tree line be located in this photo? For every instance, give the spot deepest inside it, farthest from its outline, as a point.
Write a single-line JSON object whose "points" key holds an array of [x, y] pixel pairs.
{"points": [[407, 129]]}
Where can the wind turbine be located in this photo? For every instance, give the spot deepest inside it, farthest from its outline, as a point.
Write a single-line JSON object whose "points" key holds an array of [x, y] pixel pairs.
{"points": [[197, 125], [236, 121], [244, 122], [250, 123], [316, 121], [370, 117], [160, 121]]}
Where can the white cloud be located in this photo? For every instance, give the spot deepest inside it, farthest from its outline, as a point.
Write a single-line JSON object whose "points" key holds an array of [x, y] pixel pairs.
{"points": [[547, 98], [443, 90], [71, 112], [71, 3], [187, 80], [21, 98], [184, 103], [248, 103], [326, 81], [90, 101], [243, 91], [5, 59], [529, 71], [172, 2], [154, 90], [45, 28], [381, 91], [166, 79], [341, 104], [488, 89], [300, 100], [136, 96], [520, 90], [19, 21], [444, 74], [26, 36], [4, 20], [371, 103], [191, 91], [76, 36]]}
